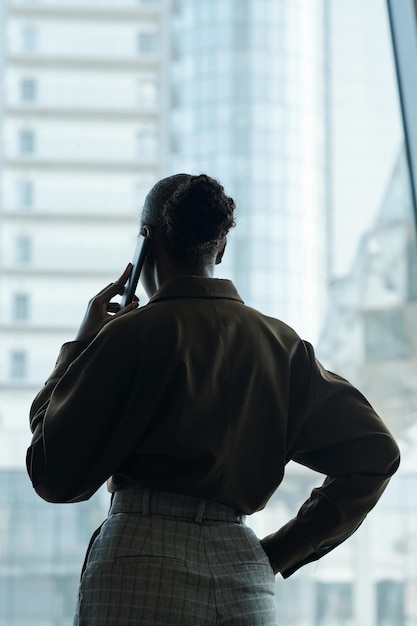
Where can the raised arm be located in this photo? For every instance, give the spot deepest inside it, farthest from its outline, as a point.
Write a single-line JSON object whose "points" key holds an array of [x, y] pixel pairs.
{"points": [[78, 426]]}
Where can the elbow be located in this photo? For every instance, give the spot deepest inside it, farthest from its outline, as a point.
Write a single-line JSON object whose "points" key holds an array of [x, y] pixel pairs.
{"points": [[51, 484], [383, 456], [391, 453], [49, 493], [44, 483], [50, 488], [383, 459], [57, 492]]}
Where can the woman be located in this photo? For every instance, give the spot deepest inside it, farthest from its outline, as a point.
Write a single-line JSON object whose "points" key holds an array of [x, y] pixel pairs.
{"points": [[190, 407]]}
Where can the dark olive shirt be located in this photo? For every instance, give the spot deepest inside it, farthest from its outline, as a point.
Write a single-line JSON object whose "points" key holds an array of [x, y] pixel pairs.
{"points": [[198, 393]]}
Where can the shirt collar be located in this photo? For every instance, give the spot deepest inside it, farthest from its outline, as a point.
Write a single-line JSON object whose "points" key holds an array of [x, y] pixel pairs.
{"points": [[196, 287]]}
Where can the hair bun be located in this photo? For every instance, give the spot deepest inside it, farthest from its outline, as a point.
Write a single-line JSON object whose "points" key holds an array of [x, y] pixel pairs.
{"points": [[198, 212]]}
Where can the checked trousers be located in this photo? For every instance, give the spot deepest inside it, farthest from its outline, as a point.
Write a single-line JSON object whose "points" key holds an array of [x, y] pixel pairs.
{"points": [[164, 559]]}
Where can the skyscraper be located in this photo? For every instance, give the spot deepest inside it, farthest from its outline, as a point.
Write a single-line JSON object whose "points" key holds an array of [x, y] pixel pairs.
{"points": [[249, 106]]}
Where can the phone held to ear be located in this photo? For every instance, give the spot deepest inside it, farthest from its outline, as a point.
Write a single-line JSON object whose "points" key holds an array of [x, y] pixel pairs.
{"points": [[139, 257]]}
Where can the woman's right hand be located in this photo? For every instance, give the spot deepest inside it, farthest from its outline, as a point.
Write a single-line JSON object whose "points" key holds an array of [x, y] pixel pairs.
{"points": [[101, 311]]}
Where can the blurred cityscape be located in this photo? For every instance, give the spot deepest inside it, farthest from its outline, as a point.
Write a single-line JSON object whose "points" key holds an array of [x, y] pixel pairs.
{"points": [[101, 99]]}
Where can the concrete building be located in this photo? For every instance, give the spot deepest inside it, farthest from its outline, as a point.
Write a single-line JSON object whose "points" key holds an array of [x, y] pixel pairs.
{"points": [[84, 127], [83, 115]]}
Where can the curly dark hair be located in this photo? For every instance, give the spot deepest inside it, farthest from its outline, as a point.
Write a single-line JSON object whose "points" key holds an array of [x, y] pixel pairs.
{"points": [[193, 212]]}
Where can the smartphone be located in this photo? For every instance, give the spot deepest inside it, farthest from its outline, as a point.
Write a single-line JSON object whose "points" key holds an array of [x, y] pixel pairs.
{"points": [[139, 257]]}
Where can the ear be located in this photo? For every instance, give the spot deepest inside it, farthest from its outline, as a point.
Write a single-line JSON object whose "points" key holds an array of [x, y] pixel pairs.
{"points": [[146, 231], [220, 252]]}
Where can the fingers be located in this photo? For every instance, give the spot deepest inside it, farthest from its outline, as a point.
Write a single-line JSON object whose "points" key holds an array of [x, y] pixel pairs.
{"points": [[100, 310], [120, 283], [113, 289], [130, 307], [113, 307]]}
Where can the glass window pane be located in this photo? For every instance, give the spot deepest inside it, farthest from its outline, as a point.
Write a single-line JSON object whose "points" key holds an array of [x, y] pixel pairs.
{"points": [[26, 142], [147, 43], [23, 249], [28, 89], [20, 310], [29, 38], [25, 194], [18, 364]]}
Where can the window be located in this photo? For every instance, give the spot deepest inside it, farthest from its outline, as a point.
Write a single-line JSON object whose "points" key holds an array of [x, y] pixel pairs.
{"points": [[386, 335], [334, 603], [18, 364], [26, 142], [147, 43], [391, 602], [20, 308], [147, 144], [176, 7], [28, 90], [29, 38], [23, 249], [147, 92], [25, 194]]}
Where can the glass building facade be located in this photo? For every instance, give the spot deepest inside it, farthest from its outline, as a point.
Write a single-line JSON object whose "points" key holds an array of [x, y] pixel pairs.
{"points": [[250, 107]]}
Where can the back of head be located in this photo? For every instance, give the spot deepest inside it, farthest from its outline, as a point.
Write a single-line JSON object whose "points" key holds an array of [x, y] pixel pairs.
{"points": [[192, 212]]}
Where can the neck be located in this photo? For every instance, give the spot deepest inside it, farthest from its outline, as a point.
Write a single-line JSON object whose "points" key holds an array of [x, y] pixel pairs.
{"points": [[172, 269], [163, 266]]}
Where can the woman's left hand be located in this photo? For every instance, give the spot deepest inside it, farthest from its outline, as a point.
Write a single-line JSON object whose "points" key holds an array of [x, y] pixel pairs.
{"points": [[100, 310]]}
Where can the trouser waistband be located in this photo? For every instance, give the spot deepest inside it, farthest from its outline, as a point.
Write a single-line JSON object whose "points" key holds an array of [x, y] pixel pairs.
{"points": [[146, 501]]}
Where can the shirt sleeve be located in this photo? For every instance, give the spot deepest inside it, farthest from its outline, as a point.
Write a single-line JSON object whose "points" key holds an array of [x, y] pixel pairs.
{"points": [[342, 437], [89, 416]]}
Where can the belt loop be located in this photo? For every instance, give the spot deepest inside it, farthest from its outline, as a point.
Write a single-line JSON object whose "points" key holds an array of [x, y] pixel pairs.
{"points": [[146, 496], [111, 503], [200, 512]]}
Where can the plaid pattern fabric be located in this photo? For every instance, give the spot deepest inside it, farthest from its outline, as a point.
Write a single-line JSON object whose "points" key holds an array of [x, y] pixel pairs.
{"points": [[172, 560]]}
